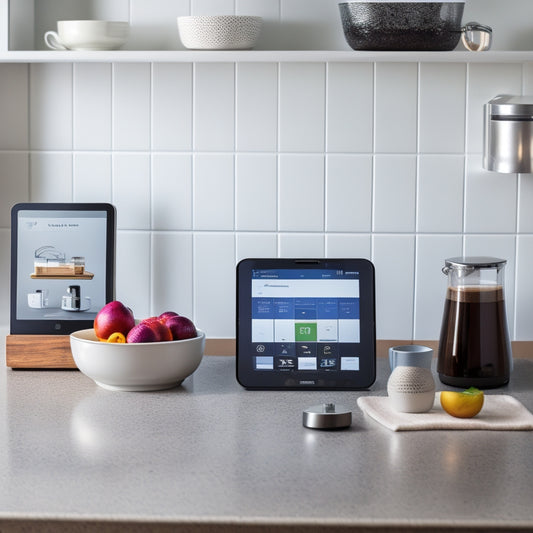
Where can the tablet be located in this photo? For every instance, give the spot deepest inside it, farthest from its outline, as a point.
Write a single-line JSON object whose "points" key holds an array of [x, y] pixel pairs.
{"points": [[62, 265], [306, 324]]}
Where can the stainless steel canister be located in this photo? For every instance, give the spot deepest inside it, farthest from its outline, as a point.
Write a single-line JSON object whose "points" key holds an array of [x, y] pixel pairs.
{"points": [[508, 139]]}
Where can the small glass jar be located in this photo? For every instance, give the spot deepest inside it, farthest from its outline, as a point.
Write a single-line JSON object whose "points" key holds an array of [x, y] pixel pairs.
{"points": [[79, 264]]}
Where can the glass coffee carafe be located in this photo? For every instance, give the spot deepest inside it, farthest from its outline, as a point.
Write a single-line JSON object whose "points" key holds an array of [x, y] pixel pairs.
{"points": [[474, 346]]}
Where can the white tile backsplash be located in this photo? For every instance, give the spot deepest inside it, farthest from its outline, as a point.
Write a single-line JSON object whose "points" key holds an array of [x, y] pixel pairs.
{"points": [[214, 283], [172, 90], [349, 245], [131, 190], [395, 110], [440, 183], [14, 107], [301, 192], [523, 312], [133, 271], [257, 121], [348, 192], [214, 106], [431, 283], [92, 180], [171, 192], [302, 107], [256, 192], [213, 192], [210, 163], [350, 109], [394, 260], [51, 177], [256, 245], [295, 245], [14, 183], [131, 106], [394, 193], [491, 199], [50, 106], [172, 273], [525, 201], [442, 108], [92, 106]]}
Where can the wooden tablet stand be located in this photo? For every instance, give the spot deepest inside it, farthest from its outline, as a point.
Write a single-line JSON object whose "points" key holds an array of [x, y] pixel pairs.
{"points": [[39, 351]]}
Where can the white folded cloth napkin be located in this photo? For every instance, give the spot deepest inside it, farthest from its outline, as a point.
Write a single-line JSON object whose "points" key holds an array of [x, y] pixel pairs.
{"points": [[500, 412]]}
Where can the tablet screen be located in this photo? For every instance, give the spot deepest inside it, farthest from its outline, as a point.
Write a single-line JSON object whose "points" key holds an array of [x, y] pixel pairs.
{"points": [[62, 265], [306, 324]]}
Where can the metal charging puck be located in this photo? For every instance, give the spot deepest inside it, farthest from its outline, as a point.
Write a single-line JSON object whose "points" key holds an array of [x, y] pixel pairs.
{"points": [[327, 416]]}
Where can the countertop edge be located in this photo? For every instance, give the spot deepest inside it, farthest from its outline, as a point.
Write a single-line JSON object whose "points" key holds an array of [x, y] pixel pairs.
{"points": [[12, 523]]}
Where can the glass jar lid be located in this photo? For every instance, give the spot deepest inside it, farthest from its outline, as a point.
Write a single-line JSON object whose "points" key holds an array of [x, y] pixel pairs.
{"points": [[475, 262]]}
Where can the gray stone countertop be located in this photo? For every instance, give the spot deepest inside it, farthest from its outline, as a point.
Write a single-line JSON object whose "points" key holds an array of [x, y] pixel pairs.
{"points": [[211, 456]]}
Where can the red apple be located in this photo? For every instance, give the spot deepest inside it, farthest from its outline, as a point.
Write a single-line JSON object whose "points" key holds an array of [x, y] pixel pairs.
{"points": [[163, 317], [181, 328], [162, 332], [150, 319], [114, 317], [142, 332]]}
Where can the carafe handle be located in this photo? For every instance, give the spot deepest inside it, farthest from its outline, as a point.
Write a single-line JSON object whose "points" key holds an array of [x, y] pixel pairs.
{"points": [[463, 272]]}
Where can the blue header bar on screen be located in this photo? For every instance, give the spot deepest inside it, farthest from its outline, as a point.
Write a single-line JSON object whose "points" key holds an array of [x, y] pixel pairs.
{"points": [[294, 273]]}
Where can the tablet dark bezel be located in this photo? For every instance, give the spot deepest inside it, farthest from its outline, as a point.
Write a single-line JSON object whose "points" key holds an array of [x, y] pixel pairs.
{"points": [[59, 327], [271, 379]]}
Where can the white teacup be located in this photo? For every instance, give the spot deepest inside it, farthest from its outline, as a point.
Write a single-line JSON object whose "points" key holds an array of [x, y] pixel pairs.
{"points": [[87, 35]]}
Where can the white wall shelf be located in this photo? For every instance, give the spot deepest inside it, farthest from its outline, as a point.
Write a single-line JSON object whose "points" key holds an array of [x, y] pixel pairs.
{"points": [[196, 56], [286, 37]]}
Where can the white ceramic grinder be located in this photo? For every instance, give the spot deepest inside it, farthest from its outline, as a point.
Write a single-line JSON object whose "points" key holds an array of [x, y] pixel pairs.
{"points": [[411, 389]]}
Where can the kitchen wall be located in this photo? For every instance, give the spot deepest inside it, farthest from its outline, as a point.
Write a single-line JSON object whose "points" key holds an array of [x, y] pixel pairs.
{"points": [[209, 163]]}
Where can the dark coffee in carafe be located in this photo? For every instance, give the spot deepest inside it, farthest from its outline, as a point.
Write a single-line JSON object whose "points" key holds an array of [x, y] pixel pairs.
{"points": [[474, 342], [474, 346]]}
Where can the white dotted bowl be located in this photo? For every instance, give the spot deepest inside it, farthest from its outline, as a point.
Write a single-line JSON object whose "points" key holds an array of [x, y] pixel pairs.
{"points": [[219, 32]]}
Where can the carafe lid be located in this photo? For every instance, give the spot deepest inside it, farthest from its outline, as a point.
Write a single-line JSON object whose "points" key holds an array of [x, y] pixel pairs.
{"points": [[475, 261]]}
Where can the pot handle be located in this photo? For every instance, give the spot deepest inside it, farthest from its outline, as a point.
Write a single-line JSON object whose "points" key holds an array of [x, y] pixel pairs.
{"points": [[476, 37]]}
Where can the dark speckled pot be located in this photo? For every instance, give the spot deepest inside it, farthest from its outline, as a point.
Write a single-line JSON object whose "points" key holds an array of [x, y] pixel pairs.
{"points": [[421, 26]]}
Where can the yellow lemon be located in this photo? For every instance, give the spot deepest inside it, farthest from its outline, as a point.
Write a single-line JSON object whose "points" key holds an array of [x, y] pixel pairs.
{"points": [[117, 337], [464, 404]]}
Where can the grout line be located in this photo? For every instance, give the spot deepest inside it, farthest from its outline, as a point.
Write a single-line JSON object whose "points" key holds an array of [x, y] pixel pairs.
{"points": [[151, 286], [465, 160], [325, 156], [73, 69], [235, 136], [416, 214], [28, 125], [222, 152], [112, 128], [373, 163], [278, 161]]}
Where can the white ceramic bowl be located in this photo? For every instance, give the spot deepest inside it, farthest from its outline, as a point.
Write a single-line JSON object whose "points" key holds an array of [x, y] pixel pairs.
{"points": [[219, 32], [136, 366]]}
